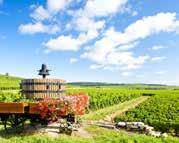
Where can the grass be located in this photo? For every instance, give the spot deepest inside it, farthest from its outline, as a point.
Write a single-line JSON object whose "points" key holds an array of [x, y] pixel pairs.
{"points": [[113, 136], [121, 107], [99, 135]]}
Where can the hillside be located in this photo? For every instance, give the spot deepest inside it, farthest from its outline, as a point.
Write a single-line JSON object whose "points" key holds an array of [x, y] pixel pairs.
{"points": [[9, 82], [123, 85], [12, 82]]}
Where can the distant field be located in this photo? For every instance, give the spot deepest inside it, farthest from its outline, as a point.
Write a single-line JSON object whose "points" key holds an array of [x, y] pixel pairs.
{"points": [[126, 86], [9, 82]]}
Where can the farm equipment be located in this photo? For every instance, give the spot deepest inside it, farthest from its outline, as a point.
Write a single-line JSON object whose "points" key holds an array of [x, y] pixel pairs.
{"points": [[15, 114], [50, 103]]}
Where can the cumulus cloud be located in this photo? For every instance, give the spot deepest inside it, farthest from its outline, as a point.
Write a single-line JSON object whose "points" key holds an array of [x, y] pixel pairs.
{"points": [[98, 8], [68, 43], [84, 19], [63, 43], [85, 23], [33, 28], [124, 60], [52, 7], [73, 60], [87, 36], [40, 14], [148, 26], [106, 47], [88, 29], [110, 49]]}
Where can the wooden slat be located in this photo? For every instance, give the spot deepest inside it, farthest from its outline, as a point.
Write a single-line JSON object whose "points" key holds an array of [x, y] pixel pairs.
{"points": [[31, 87], [12, 107]]}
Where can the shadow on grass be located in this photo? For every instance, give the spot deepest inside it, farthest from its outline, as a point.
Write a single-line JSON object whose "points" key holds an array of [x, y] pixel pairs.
{"points": [[17, 132]]}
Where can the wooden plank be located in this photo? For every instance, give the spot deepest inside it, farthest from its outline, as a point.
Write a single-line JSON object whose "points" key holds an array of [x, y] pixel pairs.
{"points": [[12, 107]]}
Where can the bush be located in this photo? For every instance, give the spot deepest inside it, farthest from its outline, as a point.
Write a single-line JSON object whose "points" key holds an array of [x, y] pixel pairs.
{"points": [[52, 109], [9, 96]]}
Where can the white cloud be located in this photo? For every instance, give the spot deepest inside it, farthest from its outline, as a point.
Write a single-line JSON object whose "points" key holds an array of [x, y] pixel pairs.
{"points": [[111, 49], [40, 14], [101, 8], [51, 9], [157, 59], [88, 28], [63, 43], [157, 47], [148, 26], [124, 60], [73, 60], [87, 36], [128, 9], [85, 23], [54, 6], [38, 28], [84, 18]]}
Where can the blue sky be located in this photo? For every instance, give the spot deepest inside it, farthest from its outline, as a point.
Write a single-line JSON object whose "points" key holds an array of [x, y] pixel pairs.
{"points": [[121, 41]]}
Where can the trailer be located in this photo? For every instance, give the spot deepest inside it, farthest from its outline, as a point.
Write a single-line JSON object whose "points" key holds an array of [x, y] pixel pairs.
{"points": [[16, 113]]}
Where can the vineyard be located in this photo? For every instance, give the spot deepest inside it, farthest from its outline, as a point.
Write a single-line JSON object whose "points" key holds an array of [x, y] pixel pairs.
{"points": [[161, 111], [9, 96], [9, 83], [104, 97]]}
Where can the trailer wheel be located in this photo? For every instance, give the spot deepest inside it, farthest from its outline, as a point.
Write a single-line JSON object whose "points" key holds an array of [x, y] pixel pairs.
{"points": [[4, 120], [17, 120], [70, 118]]}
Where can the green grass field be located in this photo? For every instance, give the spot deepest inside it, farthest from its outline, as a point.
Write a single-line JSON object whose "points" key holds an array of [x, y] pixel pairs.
{"points": [[98, 135]]}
